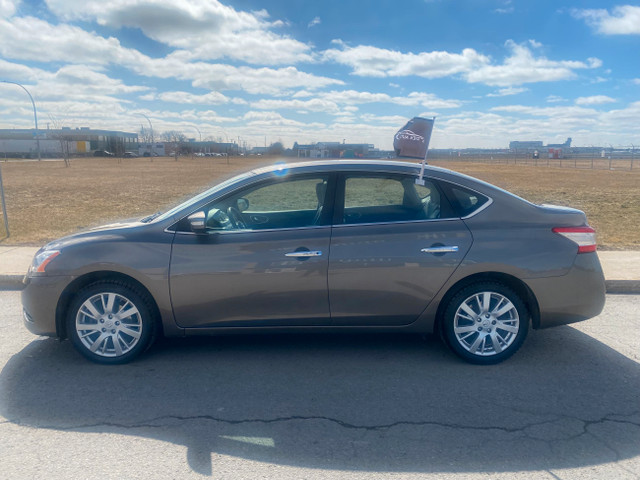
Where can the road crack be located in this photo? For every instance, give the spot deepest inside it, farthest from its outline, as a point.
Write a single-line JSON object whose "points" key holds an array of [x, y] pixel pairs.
{"points": [[162, 422]]}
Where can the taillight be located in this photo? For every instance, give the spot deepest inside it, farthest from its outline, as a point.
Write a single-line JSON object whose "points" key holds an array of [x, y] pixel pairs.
{"points": [[584, 237]]}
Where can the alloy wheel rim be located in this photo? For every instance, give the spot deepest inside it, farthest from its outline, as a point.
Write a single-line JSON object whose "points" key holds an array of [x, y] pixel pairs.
{"points": [[108, 324], [486, 324]]}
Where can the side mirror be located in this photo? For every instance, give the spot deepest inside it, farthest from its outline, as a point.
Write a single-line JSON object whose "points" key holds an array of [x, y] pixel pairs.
{"points": [[197, 222], [242, 204]]}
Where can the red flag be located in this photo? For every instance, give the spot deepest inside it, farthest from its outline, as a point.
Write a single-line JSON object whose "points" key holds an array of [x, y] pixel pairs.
{"points": [[412, 140]]}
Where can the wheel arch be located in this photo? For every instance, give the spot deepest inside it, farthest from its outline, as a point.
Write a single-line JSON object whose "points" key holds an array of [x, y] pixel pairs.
{"points": [[79, 283], [517, 285]]}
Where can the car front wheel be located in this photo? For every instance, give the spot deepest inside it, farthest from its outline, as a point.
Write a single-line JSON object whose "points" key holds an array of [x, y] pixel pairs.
{"points": [[110, 322], [486, 323]]}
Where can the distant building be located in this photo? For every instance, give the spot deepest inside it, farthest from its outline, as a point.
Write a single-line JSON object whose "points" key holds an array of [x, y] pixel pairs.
{"points": [[525, 146], [227, 148], [22, 142], [530, 146], [335, 150], [151, 149], [566, 144]]}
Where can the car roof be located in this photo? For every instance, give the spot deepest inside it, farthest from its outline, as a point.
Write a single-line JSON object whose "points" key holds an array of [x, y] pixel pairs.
{"points": [[399, 166], [345, 165]]}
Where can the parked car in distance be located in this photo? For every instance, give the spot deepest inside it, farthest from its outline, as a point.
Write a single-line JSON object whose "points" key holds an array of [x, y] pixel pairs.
{"points": [[323, 246], [102, 153], [130, 155]]}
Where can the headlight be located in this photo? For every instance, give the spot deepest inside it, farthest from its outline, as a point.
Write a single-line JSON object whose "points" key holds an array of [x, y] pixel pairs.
{"points": [[42, 259]]}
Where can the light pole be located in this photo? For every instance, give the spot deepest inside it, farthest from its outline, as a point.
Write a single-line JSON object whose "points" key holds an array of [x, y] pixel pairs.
{"points": [[198, 131], [35, 115], [200, 146], [152, 141]]}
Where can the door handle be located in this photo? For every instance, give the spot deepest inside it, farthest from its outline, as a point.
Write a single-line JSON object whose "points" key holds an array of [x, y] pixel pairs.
{"points": [[304, 254], [442, 249]]}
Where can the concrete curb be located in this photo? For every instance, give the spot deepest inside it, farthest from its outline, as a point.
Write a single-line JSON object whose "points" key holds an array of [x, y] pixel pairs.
{"points": [[622, 286], [11, 282], [14, 282]]}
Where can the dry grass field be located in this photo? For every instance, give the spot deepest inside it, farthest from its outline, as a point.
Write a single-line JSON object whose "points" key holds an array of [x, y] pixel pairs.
{"points": [[46, 200]]}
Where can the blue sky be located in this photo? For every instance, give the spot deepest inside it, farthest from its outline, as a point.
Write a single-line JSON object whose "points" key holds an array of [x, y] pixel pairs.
{"points": [[491, 71]]}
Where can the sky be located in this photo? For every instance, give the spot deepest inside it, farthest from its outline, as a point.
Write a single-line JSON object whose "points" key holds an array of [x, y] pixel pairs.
{"points": [[490, 71]]}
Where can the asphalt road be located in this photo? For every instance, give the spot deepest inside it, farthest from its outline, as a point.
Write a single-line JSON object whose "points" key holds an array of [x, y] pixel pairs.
{"points": [[566, 406]]}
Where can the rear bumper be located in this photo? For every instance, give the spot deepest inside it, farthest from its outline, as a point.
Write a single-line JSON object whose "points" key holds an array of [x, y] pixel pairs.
{"points": [[576, 296], [39, 302]]}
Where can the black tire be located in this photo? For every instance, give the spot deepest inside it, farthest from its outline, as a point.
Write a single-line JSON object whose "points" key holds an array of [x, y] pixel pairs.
{"points": [[122, 328], [484, 335]]}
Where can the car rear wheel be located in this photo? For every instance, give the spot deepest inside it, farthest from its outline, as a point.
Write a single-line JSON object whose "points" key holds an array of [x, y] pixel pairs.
{"points": [[110, 322], [486, 323]]}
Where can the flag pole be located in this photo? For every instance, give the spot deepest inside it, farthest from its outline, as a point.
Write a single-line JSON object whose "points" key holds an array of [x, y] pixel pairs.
{"points": [[420, 179]]}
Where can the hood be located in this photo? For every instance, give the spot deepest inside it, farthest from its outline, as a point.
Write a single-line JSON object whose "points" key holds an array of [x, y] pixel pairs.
{"points": [[112, 230]]}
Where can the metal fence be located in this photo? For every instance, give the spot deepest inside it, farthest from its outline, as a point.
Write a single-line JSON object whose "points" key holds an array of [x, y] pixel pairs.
{"points": [[622, 161]]}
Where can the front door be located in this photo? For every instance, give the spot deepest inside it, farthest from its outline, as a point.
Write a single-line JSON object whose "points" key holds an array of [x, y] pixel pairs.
{"points": [[262, 261]]}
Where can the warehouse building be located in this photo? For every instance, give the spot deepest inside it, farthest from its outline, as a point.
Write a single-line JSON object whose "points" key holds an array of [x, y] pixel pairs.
{"points": [[79, 141]]}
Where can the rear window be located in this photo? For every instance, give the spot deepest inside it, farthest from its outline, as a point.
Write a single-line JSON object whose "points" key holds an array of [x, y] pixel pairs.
{"points": [[465, 201]]}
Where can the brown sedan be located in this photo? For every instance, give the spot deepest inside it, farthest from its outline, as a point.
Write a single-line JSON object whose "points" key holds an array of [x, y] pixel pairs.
{"points": [[331, 246]]}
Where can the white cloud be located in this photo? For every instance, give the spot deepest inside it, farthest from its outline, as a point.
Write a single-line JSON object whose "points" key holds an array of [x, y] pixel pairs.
{"points": [[204, 29], [397, 120], [594, 100], [545, 111], [503, 92], [17, 72], [354, 97], [260, 81], [520, 67], [331, 102], [211, 98], [274, 119], [8, 7], [555, 99], [636, 81], [624, 19], [523, 67], [23, 37], [372, 61], [313, 105], [314, 22], [72, 83]]}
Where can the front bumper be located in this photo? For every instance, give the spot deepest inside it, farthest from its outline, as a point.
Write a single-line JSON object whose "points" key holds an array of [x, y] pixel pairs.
{"points": [[576, 296], [40, 298]]}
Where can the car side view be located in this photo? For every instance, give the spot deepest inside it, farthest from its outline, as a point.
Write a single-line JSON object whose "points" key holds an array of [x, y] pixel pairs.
{"points": [[323, 246]]}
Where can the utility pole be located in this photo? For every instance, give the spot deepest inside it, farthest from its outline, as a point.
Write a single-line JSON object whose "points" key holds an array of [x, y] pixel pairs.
{"points": [[35, 115], [4, 205]]}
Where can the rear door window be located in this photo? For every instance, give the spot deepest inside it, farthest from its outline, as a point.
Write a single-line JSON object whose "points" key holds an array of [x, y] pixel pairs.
{"points": [[382, 198]]}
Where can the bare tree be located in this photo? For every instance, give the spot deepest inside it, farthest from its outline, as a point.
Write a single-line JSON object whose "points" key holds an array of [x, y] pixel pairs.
{"points": [[176, 139], [65, 140], [275, 149]]}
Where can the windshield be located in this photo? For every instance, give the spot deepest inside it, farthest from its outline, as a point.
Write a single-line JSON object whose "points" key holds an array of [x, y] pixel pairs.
{"points": [[216, 188]]}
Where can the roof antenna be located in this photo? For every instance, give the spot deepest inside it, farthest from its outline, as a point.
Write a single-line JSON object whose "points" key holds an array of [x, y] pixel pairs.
{"points": [[412, 141]]}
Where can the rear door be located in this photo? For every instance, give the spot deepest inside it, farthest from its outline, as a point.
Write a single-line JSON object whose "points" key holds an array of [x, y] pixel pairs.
{"points": [[394, 244]]}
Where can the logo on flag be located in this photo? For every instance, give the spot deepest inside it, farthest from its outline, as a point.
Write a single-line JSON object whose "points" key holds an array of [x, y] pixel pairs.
{"points": [[412, 140]]}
